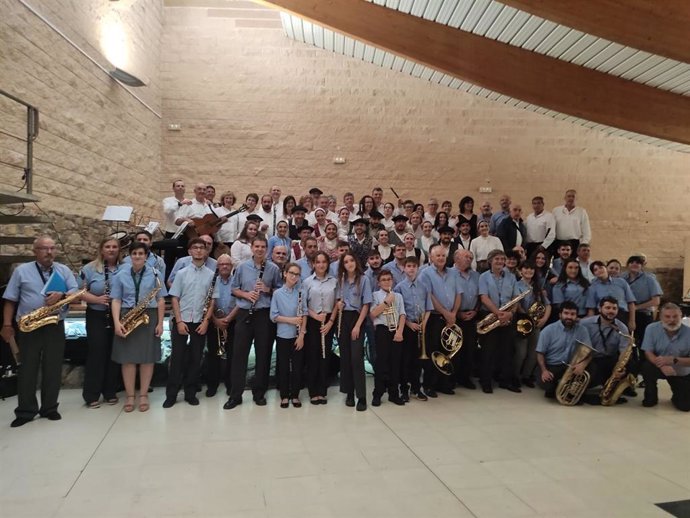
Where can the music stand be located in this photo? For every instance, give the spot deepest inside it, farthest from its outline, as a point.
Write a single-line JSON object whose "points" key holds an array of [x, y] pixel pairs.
{"points": [[118, 214]]}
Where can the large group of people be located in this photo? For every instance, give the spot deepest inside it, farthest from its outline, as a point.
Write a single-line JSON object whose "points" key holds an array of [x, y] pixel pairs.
{"points": [[384, 281]]}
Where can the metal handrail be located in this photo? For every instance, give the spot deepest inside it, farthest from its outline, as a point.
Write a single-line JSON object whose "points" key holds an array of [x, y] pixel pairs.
{"points": [[31, 135]]}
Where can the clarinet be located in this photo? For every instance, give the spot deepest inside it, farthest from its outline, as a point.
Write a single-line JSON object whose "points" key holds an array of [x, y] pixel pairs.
{"points": [[251, 308], [106, 283], [323, 336]]}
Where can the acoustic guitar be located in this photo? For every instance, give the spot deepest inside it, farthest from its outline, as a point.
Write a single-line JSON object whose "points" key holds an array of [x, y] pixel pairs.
{"points": [[209, 224]]}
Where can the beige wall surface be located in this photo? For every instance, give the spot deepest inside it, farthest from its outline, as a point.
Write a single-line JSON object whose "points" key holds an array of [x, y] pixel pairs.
{"points": [[98, 145], [256, 108]]}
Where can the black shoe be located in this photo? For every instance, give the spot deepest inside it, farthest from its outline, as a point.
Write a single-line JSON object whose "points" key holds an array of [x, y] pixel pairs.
{"points": [[361, 405], [53, 416], [431, 393], [395, 400], [296, 403], [591, 399], [420, 395], [169, 402], [350, 400], [232, 403], [150, 389], [284, 404], [630, 392], [487, 389], [550, 395], [648, 403], [315, 401], [260, 401], [511, 388], [469, 384], [375, 401], [447, 391], [405, 396], [323, 401], [528, 383], [20, 421], [192, 400], [621, 401], [211, 392]]}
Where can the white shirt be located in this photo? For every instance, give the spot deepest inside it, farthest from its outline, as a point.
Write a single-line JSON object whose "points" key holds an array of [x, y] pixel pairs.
{"points": [[267, 218], [429, 217], [572, 224], [195, 210], [586, 272], [540, 228], [332, 216], [464, 243], [481, 246], [170, 207], [388, 223], [240, 252]]}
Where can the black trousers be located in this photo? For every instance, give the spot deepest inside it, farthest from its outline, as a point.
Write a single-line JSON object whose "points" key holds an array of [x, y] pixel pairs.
{"points": [[173, 254], [290, 366], [258, 329], [463, 362], [317, 361], [680, 386], [43, 348], [352, 375], [498, 348], [600, 369], [217, 368], [185, 361], [550, 386], [642, 320], [433, 379], [388, 359], [410, 364], [101, 374]]}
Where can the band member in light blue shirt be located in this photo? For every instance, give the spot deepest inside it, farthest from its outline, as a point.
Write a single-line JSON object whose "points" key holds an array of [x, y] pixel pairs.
{"points": [[647, 293], [618, 288]]}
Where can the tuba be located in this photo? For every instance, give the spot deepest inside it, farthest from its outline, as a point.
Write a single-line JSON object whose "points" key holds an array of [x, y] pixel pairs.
{"points": [[137, 316], [491, 322], [571, 386], [47, 314], [451, 341], [525, 326], [616, 385]]}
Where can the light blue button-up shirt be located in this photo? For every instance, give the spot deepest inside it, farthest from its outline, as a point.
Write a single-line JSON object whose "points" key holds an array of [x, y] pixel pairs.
{"points": [[285, 303], [657, 340], [396, 271], [416, 297], [604, 338], [644, 287], [185, 261], [320, 293], [614, 287], [469, 283], [378, 298], [246, 275], [444, 286], [557, 343], [572, 291], [26, 284], [306, 269], [191, 287], [354, 296], [124, 289], [225, 301], [95, 282], [153, 260], [500, 289], [530, 299]]}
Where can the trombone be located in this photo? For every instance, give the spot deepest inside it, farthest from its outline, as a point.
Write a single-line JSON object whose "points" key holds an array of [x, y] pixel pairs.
{"points": [[421, 339]]}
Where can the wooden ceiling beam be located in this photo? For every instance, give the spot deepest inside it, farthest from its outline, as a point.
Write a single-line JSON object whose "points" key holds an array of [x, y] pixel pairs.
{"points": [[657, 27], [509, 70]]}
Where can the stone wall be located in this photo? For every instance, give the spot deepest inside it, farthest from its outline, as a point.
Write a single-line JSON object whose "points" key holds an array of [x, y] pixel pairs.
{"points": [[98, 145], [256, 108]]}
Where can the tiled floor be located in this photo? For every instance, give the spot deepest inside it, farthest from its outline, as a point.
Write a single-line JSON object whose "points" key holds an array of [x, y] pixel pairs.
{"points": [[502, 455]]}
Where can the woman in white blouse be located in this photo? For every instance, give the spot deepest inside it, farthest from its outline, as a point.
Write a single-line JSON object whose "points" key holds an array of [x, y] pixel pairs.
{"points": [[241, 249], [427, 238], [482, 245]]}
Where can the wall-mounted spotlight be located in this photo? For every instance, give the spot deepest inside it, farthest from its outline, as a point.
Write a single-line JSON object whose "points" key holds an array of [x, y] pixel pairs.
{"points": [[126, 78]]}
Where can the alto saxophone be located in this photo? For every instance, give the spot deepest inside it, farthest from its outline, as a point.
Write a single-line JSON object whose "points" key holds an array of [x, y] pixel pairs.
{"points": [[491, 322], [137, 315], [47, 314], [619, 381], [572, 386]]}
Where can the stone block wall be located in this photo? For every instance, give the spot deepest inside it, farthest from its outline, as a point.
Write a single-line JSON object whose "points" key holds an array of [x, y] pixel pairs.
{"points": [[256, 108]]}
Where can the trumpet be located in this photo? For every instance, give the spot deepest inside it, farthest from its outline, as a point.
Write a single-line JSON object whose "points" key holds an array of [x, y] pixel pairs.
{"points": [[451, 341], [222, 335], [491, 322], [421, 339], [390, 314]]}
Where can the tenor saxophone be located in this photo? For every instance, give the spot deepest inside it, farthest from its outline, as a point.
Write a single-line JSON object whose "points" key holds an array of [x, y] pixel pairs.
{"points": [[137, 316], [47, 314], [619, 381]]}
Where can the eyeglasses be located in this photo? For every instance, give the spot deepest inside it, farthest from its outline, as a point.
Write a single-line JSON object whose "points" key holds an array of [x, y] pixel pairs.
{"points": [[293, 273], [198, 247]]}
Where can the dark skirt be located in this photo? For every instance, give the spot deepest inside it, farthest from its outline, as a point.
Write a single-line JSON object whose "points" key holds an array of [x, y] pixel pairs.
{"points": [[142, 345]]}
